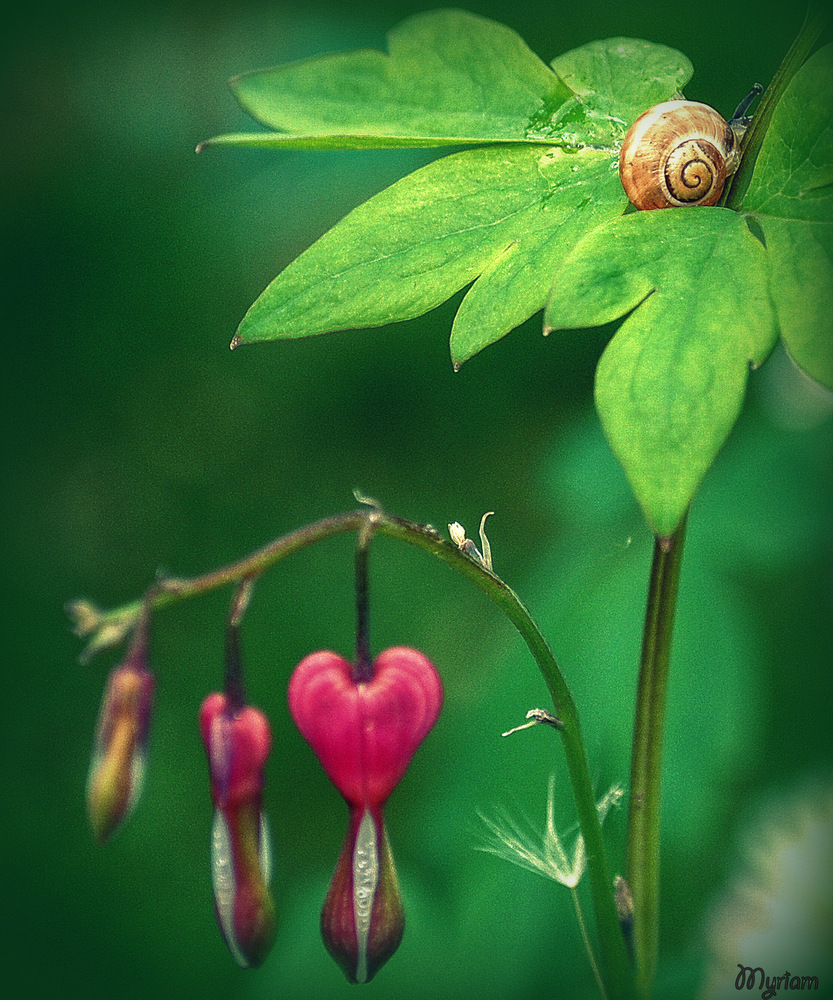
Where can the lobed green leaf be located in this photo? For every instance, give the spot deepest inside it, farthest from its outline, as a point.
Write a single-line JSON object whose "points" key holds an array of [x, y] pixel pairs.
{"points": [[621, 77], [706, 289], [450, 77], [501, 217], [454, 78], [671, 382], [506, 213]]}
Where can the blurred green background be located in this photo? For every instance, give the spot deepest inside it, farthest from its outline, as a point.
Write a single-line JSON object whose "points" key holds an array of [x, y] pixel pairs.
{"points": [[134, 441]]}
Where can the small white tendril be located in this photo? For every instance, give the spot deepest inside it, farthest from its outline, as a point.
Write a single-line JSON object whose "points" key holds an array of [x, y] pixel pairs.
{"points": [[543, 853]]}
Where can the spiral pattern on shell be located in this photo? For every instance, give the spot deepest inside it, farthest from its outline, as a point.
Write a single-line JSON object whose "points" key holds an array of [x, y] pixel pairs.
{"points": [[675, 154]]}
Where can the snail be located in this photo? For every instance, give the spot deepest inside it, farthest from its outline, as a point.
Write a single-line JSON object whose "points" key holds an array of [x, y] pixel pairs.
{"points": [[680, 153]]}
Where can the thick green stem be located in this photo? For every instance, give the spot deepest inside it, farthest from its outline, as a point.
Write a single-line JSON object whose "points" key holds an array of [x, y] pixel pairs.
{"points": [[109, 628], [646, 764]]}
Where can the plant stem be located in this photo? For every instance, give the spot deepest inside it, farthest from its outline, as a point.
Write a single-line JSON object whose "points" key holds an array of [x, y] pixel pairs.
{"points": [[234, 687], [363, 663], [616, 963], [110, 627], [646, 764]]}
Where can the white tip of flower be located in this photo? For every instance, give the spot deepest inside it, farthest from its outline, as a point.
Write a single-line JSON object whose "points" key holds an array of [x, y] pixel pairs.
{"points": [[457, 534], [265, 847], [224, 883], [543, 853], [365, 881]]}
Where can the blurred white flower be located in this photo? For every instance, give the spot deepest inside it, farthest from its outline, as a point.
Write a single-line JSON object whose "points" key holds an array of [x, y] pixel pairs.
{"points": [[777, 915]]}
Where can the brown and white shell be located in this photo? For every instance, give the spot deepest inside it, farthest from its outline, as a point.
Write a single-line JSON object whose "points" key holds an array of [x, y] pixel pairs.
{"points": [[675, 154]]}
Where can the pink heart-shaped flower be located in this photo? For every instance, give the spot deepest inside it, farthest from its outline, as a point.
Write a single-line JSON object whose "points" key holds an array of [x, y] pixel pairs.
{"points": [[365, 733]]}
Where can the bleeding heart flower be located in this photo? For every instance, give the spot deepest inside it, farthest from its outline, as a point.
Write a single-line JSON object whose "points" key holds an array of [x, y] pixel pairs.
{"points": [[237, 742], [365, 732], [117, 768]]}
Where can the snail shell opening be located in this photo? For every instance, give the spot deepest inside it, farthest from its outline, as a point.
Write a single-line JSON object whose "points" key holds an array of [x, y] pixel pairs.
{"points": [[676, 154]]}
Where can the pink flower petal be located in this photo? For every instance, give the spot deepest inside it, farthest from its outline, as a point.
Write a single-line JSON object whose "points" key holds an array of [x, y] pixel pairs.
{"points": [[365, 733]]}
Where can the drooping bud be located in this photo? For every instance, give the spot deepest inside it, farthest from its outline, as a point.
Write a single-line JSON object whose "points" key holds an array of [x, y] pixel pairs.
{"points": [[363, 921], [237, 742], [364, 732], [117, 769]]}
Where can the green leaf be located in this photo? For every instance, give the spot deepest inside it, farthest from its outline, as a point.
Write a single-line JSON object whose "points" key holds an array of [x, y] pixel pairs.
{"points": [[580, 191], [671, 383], [451, 78], [709, 290], [506, 213], [622, 77], [791, 196], [544, 201], [501, 217]]}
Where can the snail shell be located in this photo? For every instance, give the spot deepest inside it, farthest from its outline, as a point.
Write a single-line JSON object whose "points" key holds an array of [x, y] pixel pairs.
{"points": [[675, 154]]}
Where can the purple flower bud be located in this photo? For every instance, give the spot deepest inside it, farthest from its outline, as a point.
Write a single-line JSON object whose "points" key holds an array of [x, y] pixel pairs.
{"points": [[237, 743], [365, 733], [117, 768]]}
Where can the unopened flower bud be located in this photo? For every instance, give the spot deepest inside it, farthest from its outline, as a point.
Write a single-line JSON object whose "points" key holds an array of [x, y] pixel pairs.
{"points": [[365, 733], [363, 921], [237, 743], [117, 768]]}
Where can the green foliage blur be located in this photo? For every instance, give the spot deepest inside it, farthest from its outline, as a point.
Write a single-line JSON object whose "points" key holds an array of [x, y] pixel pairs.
{"points": [[134, 441]]}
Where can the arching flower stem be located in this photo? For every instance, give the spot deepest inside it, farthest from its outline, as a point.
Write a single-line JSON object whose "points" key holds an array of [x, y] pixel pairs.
{"points": [[107, 628]]}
